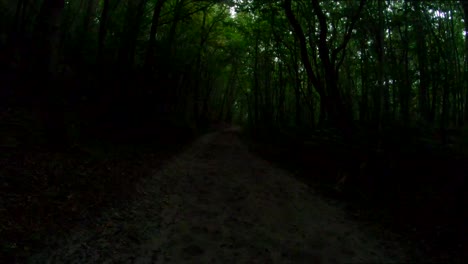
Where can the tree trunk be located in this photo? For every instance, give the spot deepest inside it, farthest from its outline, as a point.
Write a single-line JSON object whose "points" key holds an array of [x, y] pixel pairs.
{"points": [[90, 12], [46, 35], [380, 67], [311, 101], [281, 94], [152, 40], [172, 29], [422, 51], [329, 92], [364, 106], [83, 37], [297, 93], [15, 34], [102, 31], [198, 75], [304, 53], [19, 16], [135, 12], [256, 81], [464, 4]]}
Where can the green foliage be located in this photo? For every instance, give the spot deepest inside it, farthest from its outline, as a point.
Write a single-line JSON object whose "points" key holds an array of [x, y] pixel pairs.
{"points": [[140, 70]]}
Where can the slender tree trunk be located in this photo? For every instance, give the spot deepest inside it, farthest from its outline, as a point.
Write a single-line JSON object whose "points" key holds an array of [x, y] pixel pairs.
{"points": [[464, 4], [256, 80], [269, 108], [152, 40], [90, 12], [18, 16], [458, 88], [304, 53], [444, 114], [297, 93], [313, 78], [205, 115], [340, 113], [380, 67], [311, 102], [227, 95], [83, 32], [393, 85], [281, 95], [435, 99], [330, 93], [364, 107], [47, 36], [334, 103], [15, 35], [102, 31], [135, 31], [198, 75], [172, 29], [422, 61], [135, 12], [405, 85]]}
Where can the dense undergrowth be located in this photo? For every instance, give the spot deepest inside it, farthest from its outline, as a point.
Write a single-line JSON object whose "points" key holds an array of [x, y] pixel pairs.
{"points": [[409, 181]]}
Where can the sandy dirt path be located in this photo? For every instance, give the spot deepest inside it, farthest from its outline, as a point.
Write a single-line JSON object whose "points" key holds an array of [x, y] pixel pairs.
{"points": [[219, 203]]}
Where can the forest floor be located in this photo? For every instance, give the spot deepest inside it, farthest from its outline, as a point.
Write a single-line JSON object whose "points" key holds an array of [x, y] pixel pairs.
{"points": [[218, 203]]}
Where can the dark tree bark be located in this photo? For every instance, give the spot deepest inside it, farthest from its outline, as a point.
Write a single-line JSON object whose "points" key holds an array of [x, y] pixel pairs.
{"points": [[152, 40], [329, 92], [405, 85], [339, 113], [281, 95], [381, 97], [256, 80], [364, 104], [47, 37], [127, 49], [135, 31], [90, 12], [16, 33], [392, 59], [297, 87], [464, 4], [198, 66], [46, 55], [172, 31], [227, 98], [83, 37], [20, 14], [303, 48], [313, 78], [102, 30], [311, 101], [422, 61]]}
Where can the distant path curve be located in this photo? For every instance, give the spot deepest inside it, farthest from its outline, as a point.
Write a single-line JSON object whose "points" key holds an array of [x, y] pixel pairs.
{"points": [[219, 203]]}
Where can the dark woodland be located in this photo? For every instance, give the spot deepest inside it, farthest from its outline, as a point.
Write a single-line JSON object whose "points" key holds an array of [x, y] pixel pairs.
{"points": [[365, 101]]}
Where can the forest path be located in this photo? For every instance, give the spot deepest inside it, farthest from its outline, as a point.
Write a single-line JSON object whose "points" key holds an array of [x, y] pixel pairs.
{"points": [[219, 203]]}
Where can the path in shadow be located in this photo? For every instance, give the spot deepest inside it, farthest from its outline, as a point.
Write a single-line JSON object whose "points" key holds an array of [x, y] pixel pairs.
{"points": [[218, 203]]}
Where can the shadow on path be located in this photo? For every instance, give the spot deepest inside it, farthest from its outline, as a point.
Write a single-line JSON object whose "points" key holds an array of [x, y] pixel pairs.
{"points": [[219, 203]]}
